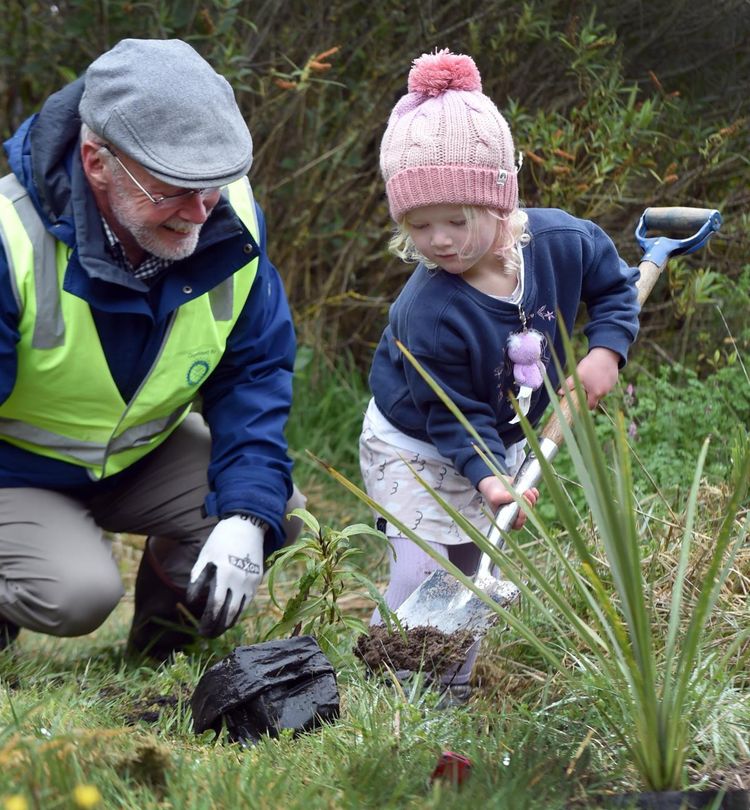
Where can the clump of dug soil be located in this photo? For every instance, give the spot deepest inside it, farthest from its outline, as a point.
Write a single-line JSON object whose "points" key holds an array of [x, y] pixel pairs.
{"points": [[416, 648]]}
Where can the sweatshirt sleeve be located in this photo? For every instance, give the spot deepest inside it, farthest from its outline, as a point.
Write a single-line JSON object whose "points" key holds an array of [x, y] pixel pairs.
{"points": [[610, 294], [445, 343], [246, 404], [9, 335], [448, 435]]}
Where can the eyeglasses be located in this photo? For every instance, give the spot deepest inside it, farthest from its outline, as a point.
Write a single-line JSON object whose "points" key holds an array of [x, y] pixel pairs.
{"points": [[161, 198]]}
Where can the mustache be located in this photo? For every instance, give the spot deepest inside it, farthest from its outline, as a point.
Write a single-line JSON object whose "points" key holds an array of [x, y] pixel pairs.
{"points": [[181, 226]]}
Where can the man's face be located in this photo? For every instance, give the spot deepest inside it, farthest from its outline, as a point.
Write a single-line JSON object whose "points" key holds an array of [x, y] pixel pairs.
{"points": [[168, 230]]}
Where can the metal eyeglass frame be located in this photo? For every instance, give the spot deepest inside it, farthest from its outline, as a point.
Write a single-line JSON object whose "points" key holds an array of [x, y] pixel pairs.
{"points": [[190, 192]]}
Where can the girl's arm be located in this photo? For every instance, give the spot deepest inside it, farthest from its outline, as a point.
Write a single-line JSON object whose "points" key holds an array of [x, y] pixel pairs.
{"points": [[495, 492], [598, 373]]}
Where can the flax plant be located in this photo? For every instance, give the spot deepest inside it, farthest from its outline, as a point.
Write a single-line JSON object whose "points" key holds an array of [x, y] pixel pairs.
{"points": [[656, 672]]}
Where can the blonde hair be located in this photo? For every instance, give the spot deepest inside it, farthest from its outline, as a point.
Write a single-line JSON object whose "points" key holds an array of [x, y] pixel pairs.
{"points": [[511, 233]]}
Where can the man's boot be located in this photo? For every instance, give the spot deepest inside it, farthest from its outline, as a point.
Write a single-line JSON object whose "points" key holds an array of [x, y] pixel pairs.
{"points": [[8, 633], [161, 620]]}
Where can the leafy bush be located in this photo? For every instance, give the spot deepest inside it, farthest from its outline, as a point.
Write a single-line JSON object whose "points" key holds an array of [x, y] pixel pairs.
{"points": [[669, 414], [673, 412], [611, 109]]}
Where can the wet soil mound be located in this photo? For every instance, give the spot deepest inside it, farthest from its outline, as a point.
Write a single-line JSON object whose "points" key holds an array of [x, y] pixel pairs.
{"points": [[416, 648]]}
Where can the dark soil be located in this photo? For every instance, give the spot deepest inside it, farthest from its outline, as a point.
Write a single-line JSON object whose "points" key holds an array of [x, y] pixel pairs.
{"points": [[149, 707], [417, 648]]}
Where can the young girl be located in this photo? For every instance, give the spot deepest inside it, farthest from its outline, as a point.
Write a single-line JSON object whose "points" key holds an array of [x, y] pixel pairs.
{"points": [[480, 313]]}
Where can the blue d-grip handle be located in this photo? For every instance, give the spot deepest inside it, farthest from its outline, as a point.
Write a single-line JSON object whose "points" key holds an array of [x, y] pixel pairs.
{"points": [[702, 222]]}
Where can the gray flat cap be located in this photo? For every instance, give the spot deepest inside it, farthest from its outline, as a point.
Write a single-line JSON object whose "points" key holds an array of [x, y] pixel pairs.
{"points": [[159, 102]]}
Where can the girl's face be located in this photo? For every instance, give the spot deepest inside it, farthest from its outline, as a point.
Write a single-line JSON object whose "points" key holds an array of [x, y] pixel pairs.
{"points": [[442, 235]]}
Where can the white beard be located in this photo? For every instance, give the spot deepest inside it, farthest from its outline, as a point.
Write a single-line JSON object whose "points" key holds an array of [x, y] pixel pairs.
{"points": [[148, 236]]}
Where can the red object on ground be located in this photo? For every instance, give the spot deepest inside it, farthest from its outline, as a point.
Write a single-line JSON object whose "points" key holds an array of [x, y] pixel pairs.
{"points": [[452, 767]]}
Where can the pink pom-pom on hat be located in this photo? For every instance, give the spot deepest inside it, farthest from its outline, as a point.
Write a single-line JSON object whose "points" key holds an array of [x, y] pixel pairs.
{"points": [[434, 73], [446, 142]]}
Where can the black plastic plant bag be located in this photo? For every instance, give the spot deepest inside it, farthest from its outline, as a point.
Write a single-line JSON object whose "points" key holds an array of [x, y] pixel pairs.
{"points": [[710, 799], [263, 688]]}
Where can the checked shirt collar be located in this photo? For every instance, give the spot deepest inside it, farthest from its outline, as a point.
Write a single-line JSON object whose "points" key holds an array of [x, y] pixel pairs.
{"points": [[149, 268]]}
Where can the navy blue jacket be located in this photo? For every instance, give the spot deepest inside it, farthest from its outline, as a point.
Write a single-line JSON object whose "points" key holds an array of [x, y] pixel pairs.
{"points": [[245, 401], [459, 335]]}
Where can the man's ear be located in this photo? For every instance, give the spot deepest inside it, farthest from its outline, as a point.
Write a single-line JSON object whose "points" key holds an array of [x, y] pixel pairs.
{"points": [[94, 166]]}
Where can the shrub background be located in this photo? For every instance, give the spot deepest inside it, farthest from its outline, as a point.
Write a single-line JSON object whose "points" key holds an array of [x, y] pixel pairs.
{"points": [[615, 107]]}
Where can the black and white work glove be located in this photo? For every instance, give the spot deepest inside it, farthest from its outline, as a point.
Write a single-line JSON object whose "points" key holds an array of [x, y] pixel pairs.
{"points": [[227, 572]]}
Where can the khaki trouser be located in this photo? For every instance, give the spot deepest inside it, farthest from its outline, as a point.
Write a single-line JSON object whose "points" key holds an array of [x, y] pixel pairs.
{"points": [[57, 573]]}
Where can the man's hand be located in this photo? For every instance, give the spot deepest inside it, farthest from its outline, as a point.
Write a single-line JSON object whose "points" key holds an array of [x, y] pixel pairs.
{"points": [[598, 373], [228, 571], [496, 494]]}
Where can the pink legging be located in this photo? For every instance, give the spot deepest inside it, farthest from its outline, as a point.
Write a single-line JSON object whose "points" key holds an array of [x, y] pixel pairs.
{"points": [[410, 567]]}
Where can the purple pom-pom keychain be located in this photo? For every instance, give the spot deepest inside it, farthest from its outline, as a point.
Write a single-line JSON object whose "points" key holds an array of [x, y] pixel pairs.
{"points": [[525, 352]]}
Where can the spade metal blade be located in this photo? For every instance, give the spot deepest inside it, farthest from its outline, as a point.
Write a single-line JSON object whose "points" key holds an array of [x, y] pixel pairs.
{"points": [[441, 601]]}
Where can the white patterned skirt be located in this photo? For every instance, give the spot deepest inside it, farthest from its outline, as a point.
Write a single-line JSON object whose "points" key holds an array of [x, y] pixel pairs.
{"points": [[390, 482]]}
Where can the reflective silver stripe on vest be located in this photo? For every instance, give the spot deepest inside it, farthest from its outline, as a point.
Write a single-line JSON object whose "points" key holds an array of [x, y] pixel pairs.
{"points": [[49, 328], [142, 434], [222, 300], [222, 297], [90, 453], [87, 452], [12, 189]]}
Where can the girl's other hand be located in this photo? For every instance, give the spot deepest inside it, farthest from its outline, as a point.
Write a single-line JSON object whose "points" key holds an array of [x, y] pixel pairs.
{"points": [[598, 373], [495, 492]]}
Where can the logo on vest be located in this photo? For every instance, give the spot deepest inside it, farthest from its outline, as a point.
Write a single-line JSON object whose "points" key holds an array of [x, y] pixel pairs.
{"points": [[197, 372]]}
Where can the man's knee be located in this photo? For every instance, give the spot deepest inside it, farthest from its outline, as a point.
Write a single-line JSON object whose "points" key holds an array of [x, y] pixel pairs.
{"points": [[85, 604], [73, 606]]}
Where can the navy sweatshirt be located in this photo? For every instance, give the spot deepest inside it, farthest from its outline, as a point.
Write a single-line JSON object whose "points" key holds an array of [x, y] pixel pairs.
{"points": [[459, 335]]}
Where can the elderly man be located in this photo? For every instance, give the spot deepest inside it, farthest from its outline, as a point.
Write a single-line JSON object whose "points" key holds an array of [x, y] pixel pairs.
{"points": [[134, 281]]}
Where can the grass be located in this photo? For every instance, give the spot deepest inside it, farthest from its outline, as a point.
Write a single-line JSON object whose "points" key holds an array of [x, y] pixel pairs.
{"points": [[379, 755], [74, 713]]}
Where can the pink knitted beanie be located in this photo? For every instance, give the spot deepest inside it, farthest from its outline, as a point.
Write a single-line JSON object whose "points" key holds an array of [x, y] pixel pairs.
{"points": [[446, 142]]}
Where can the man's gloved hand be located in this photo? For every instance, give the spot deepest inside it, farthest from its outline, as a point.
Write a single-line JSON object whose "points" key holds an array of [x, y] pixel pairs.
{"points": [[228, 571]]}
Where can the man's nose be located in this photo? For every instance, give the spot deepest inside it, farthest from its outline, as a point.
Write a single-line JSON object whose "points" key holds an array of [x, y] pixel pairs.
{"points": [[196, 208]]}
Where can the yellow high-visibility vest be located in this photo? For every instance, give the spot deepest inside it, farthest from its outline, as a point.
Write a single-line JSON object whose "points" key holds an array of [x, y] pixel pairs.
{"points": [[65, 403]]}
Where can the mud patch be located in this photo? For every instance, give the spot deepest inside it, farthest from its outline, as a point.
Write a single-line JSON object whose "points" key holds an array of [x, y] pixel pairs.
{"points": [[417, 648], [149, 707]]}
